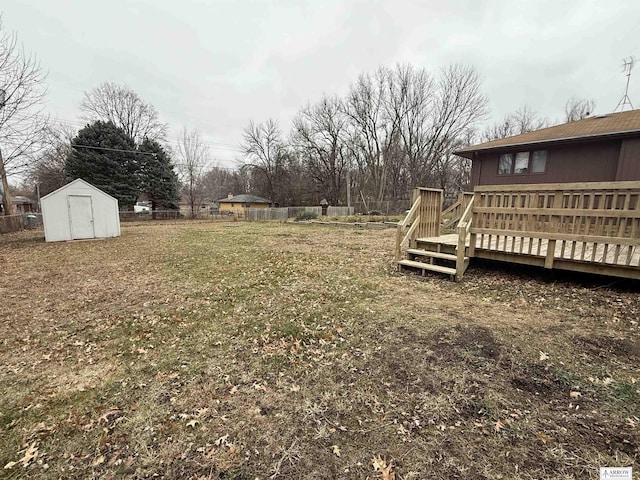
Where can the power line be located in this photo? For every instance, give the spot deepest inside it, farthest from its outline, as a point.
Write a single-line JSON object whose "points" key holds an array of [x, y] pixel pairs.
{"points": [[76, 145]]}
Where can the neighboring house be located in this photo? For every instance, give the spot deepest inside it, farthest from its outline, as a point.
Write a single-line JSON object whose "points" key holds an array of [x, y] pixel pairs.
{"points": [[23, 204], [204, 206], [79, 211], [237, 204], [603, 148]]}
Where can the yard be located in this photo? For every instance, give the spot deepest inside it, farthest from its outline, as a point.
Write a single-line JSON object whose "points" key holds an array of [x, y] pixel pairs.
{"points": [[248, 350]]}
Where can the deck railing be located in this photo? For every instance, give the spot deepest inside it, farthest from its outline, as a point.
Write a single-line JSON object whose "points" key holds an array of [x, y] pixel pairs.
{"points": [[423, 219], [453, 214], [580, 222]]}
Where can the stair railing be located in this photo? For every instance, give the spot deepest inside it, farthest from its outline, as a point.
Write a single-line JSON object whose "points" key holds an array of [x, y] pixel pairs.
{"points": [[463, 228], [406, 229], [453, 214]]}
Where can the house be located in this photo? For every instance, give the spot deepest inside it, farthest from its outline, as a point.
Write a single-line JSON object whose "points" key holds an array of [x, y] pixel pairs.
{"points": [[79, 211], [237, 204], [22, 204], [202, 206], [564, 197], [603, 148]]}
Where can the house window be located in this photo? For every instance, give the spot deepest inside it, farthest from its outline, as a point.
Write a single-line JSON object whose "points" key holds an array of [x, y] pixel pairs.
{"points": [[522, 163], [506, 164], [539, 161]]}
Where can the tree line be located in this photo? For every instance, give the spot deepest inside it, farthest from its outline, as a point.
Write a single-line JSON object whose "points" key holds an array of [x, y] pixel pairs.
{"points": [[394, 129]]}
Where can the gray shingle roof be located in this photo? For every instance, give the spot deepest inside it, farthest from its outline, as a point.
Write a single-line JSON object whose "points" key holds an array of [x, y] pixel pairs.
{"points": [[592, 127], [245, 198]]}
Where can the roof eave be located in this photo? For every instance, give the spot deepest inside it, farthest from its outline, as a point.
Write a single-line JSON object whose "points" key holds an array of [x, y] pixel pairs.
{"points": [[470, 151]]}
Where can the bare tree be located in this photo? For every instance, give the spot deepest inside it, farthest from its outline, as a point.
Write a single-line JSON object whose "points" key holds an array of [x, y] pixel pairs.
{"points": [[578, 108], [372, 129], [123, 107], [194, 156], [266, 154], [318, 136], [22, 123], [47, 172], [460, 105], [218, 182], [521, 121]]}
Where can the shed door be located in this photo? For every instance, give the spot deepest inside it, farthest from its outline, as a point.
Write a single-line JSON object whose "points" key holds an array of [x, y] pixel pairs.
{"points": [[81, 216]]}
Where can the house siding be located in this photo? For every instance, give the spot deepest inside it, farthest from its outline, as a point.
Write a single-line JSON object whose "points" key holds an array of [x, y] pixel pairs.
{"points": [[629, 160], [238, 208], [577, 162]]}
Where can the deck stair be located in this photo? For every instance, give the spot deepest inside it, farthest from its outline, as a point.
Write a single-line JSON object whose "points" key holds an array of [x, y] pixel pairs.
{"points": [[589, 227], [426, 250], [427, 267]]}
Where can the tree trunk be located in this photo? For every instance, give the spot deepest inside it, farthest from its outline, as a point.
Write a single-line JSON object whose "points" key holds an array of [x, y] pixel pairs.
{"points": [[6, 197]]}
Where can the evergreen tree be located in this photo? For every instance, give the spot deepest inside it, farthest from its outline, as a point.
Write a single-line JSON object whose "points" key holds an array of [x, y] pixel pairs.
{"points": [[104, 155], [157, 176]]}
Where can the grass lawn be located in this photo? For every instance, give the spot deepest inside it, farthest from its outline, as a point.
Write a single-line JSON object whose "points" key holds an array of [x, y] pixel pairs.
{"points": [[252, 350]]}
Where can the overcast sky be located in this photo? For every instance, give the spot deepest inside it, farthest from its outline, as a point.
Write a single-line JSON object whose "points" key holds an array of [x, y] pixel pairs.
{"points": [[215, 65]]}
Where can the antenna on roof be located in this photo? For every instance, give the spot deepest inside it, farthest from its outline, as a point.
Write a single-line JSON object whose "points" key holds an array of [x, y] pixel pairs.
{"points": [[627, 65]]}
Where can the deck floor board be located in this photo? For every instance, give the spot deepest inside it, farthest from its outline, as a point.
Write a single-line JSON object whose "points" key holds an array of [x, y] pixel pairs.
{"points": [[564, 250]]}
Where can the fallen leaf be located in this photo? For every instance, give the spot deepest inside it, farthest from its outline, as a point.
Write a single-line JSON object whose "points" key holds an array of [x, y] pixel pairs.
{"points": [[543, 356], [575, 394], [98, 461], [30, 454], [543, 437], [380, 465], [105, 416], [498, 426], [336, 450]]}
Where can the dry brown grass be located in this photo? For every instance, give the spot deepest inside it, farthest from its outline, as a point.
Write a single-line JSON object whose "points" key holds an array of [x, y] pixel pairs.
{"points": [[233, 350]]}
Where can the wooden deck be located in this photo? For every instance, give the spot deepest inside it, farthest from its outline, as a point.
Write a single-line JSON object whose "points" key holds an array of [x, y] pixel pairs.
{"points": [[567, 255], [587, 227]]}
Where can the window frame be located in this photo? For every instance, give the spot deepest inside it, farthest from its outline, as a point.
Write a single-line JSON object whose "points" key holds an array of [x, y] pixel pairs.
{"points": [[514, 158]]}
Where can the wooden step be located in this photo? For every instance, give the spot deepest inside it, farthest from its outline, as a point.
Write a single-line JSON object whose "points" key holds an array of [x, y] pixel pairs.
{"points": [[432, 254], [427, 266]]}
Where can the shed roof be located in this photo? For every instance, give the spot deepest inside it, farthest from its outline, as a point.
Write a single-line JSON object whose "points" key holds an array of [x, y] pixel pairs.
{"points": [[612, 124], [245, 198], [77, 180]]}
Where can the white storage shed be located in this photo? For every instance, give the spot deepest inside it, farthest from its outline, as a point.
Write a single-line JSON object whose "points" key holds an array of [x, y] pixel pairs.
{"points": [[78, 211]]}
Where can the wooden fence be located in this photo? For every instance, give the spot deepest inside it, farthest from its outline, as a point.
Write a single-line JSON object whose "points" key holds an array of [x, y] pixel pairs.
{"points": [[11, 223], [280, 214], [340, 211], [598, 223]]}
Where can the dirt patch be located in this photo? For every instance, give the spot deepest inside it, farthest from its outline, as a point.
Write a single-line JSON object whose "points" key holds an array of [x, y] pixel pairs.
{"points": [[476, 340], [602, 346]]}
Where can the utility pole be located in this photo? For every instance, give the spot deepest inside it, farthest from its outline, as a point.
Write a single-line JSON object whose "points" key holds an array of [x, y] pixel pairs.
{"points": [[6, 195]]}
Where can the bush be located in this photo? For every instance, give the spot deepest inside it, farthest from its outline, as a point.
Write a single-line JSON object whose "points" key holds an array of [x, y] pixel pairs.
{"points": [[306, 215]]}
